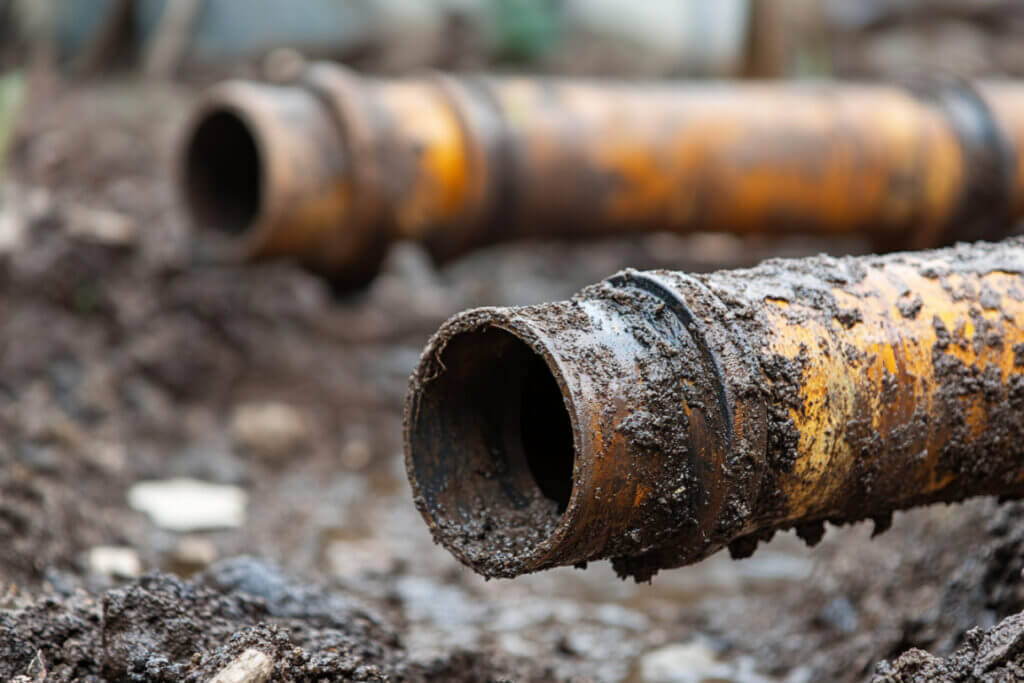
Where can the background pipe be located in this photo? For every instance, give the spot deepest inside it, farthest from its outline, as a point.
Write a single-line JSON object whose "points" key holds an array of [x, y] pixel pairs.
{"points": [[332, 169], [659, 416]]}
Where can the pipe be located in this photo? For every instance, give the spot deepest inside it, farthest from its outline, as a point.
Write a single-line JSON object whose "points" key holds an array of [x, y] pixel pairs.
{"points": [[659, 416], [334, 168]]}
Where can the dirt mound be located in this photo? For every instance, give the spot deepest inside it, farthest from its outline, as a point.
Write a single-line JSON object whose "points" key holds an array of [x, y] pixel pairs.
{"points": [[161, 628], [993, 655]]}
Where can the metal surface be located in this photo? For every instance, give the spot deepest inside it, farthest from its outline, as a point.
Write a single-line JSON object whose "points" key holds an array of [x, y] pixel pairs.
{"points": [[658, 416], [458, 162]]}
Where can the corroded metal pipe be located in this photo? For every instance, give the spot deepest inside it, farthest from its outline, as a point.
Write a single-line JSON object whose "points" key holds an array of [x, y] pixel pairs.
{"points": [[659, 416], [333, 168]]}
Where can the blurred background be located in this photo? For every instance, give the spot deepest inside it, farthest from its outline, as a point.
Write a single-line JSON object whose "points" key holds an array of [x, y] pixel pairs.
{"points": [[743, 38], [161, 413]]}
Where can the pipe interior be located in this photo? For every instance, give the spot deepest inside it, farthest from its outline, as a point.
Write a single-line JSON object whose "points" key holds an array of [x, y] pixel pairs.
{"points": [[223, 173], [491, 444], [546, 432]]}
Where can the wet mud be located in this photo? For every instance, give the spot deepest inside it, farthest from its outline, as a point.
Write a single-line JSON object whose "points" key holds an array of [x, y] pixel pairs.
{"points": [[162, 628]]}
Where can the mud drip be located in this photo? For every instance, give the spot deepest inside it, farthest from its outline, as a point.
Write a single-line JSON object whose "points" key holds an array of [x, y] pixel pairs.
{"points": [[714, 410]]}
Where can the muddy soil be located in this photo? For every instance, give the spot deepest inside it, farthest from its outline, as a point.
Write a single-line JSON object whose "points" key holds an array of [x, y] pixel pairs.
{"points": [[126, 358]]}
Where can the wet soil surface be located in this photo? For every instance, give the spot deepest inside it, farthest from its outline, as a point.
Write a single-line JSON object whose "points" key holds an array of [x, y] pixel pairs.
{"points": [[127, 359]]}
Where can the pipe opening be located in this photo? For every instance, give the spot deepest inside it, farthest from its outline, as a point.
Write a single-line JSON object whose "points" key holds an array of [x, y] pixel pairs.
{"points": [[546, 432], [491, 448], [223, 173]]}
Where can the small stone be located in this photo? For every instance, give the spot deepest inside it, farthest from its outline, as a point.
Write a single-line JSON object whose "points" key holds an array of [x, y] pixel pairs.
{"points": [[188, 504], [691, 662], [116, 561], [102, 226], [517, 646], [192, 554], [841, 615], [269, 429], [252, 666], [356, 454], [109, 456], [12, 230]]}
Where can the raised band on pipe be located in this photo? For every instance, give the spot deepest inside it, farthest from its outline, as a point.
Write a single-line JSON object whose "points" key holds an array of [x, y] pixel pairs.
{"points": [[333, 168], [659, 416]]}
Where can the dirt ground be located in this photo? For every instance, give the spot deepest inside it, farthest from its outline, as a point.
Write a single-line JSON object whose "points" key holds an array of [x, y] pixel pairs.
{"points": [[126, 358]]}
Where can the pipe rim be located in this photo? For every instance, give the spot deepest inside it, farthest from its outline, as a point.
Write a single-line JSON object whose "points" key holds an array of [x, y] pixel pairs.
{"points": [[492, 559], [235, 99]]}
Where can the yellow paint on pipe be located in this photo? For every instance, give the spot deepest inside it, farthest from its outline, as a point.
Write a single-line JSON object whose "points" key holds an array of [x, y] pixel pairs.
{"points": [[884, 369]]}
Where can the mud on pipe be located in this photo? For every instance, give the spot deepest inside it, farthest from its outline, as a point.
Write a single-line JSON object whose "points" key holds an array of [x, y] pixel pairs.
{"points": [[658, 417], [331, 169]]}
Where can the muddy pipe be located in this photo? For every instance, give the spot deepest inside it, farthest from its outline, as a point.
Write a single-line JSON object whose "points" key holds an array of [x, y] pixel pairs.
{"points": [[331, 169], [658, 417]]}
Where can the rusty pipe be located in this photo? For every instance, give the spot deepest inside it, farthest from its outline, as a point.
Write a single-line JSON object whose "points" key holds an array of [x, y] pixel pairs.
{"points": [[332, 169], [658, 417]]}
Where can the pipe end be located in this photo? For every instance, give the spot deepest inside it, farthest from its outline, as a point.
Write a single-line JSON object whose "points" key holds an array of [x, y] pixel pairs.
{"points": [[491, 446], [263, 173], [223, 177]]}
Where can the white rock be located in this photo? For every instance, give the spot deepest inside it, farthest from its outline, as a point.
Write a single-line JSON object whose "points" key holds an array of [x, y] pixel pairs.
{"points": [[690, 662], [12, 230], [189, 504], [252, 666], [517, 646], [269, 429], [102, 226], [117, 561]]}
